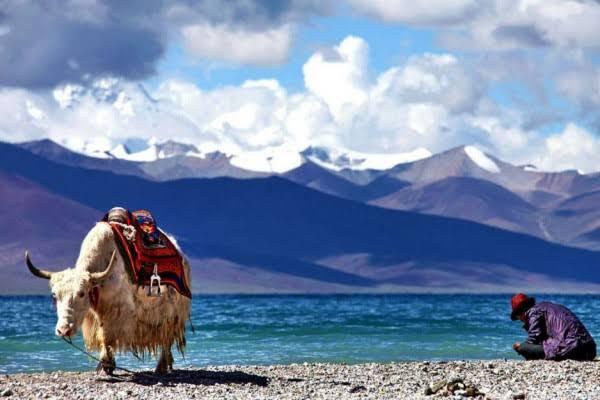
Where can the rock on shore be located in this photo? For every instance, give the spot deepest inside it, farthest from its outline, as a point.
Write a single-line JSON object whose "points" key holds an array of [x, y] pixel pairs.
{"points": [[406, 380]]}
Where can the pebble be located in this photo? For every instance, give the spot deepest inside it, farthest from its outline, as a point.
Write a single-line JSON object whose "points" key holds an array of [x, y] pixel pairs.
{"points": [[497, 379], [359, 388]]}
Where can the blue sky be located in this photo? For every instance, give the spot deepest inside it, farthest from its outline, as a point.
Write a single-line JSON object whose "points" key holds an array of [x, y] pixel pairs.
{"points": [[520, 79], [390, 44]]}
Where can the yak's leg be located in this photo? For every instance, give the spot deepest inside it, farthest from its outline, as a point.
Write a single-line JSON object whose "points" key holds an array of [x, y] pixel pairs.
{"points": [[165, 363], [107, 360]]}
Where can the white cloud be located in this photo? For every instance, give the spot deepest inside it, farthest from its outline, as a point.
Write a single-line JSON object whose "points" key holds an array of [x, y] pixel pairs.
{"points": [[339, 76], [497, 24], [566, 23], [66, 94], [405, 107], [501, 132], [438, 78], [309, 121], [581, 83], [239, 46], [424, 12], [23, 114], [92, 11], [508, 24], [573, 148], [247, 117], [431, 101], [93, 38], [102, 114]]}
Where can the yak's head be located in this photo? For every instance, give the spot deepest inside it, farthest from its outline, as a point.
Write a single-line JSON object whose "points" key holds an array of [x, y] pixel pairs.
{"points": [[73, 292]]}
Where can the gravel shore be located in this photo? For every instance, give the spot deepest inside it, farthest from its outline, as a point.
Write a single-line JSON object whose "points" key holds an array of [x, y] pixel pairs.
{"points": [[410, 380]]}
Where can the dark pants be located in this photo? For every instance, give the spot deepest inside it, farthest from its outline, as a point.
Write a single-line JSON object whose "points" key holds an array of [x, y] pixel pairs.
{"points": [[531, 351], [583, 352]]}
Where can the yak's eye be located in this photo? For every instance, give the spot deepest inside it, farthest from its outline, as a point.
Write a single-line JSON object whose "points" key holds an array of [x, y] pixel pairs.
{"points": [[80, 293]]}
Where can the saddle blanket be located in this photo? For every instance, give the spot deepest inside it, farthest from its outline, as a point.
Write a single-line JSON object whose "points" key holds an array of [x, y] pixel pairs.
{"points": [[146, 246]]}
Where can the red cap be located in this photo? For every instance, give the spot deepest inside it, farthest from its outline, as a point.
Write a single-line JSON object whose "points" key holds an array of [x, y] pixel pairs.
{"points": [[520, 302]]}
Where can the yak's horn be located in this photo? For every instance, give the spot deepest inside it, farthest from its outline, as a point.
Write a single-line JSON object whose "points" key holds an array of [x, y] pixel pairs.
{"points": [[40, 273], [98, 276]]}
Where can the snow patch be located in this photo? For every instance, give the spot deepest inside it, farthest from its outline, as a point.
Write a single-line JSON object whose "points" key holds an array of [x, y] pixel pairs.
{"points": [[195, 154], [530, 168], [338, 160], [387, 161], [533, 168], [124, 105], [483, 161], [270, 160], [120, 151], [97, 147], [147, 155], [152, 150], [34, 111], [67, 95]]}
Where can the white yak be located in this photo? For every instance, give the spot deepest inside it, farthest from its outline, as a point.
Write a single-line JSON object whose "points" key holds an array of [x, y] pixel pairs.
{"points": [[115, 315]]}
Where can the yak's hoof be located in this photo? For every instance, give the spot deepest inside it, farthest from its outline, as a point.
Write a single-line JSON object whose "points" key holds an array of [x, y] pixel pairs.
{"points": [[107, 366], [163, 369]]}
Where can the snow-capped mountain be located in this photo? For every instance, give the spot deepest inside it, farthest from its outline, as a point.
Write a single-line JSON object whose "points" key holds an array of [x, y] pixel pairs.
{"points": [[156, 151], [270, 160], [481, 159], [337, 160], [127, 98], [274, 160], [272, 232], [419, 165], [463, 182]]}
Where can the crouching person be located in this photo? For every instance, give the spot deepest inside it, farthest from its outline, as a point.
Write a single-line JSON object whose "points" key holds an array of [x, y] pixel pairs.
{"points": [[554, 332]]}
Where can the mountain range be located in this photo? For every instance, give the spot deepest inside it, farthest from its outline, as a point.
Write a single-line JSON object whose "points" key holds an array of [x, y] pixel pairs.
{"points": [[461, 220], [463, 182]]}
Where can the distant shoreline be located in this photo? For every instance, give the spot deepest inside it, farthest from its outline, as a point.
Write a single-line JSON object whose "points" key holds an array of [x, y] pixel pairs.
{"points": [[316, 294], [497, 379]]}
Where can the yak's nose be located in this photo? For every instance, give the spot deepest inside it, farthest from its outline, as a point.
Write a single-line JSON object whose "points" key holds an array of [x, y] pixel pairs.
{"points": [[65, 330]]}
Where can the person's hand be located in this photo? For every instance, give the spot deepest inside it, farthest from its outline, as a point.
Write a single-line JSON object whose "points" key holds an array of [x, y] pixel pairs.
{"points": [[516, 346]]}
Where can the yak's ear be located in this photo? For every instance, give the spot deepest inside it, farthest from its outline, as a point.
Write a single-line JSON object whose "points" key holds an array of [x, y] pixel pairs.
{"points": [[40, 273], [97, 277]]}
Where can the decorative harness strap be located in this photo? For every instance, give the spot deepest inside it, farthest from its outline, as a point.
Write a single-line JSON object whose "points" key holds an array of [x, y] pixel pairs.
{"points": [[151, 257]]}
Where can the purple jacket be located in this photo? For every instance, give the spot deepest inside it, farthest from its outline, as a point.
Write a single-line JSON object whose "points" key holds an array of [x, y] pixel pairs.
{"points": [[556, 328]]}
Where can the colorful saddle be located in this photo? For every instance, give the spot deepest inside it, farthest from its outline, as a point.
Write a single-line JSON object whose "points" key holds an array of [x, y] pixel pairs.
{"points": [[147, 250]]}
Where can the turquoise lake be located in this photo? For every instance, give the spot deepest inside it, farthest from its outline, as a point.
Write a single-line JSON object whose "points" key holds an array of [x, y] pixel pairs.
{"points": [[296, 329]]}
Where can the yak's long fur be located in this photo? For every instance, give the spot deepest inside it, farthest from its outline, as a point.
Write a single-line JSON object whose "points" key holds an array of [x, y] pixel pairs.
{"points": [[126, 319]]}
